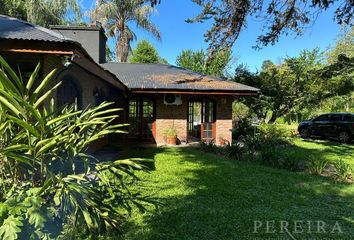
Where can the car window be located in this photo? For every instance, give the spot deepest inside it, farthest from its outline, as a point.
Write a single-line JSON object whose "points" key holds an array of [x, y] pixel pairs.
{"points": [[349, 118], [322, 118], [335, 117]]}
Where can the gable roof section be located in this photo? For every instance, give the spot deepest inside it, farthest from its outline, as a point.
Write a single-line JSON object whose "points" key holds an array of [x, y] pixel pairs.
{"points": [[33, 37], [13, 28], [160, 77]]}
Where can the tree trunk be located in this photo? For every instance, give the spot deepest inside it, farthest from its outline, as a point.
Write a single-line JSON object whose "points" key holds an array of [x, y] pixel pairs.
{"points": [[122, 47], [274, 117]]}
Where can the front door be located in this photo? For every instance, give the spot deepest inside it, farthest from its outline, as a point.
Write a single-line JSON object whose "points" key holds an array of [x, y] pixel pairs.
{"points": [[201, 120], [141, 118]]}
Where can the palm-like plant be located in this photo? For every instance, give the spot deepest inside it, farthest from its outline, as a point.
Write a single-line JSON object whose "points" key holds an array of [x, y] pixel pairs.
{"points": [[42, 12], [116, 15], [47, 178]]}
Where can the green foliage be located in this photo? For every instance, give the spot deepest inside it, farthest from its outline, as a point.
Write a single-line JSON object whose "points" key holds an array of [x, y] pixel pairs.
{"points": [[42, 12], [195, 187], [317, 165], [170, 132], [234, 151], [290, 162], [343, 46], [299, 85], [344, 171], [275, 134], [145, 52], [229, 19], [48, 178], [208, 146], [117, 17], [198, 61]]}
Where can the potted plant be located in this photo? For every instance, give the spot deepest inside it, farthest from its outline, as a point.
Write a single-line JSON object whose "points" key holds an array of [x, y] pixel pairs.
{"points": [[171, 135]]}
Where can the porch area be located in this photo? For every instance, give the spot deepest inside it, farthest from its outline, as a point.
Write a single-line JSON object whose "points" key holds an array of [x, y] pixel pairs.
{"points": [[194, 118]]}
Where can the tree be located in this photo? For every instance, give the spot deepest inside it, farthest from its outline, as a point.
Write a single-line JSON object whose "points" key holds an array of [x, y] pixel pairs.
{"points": [[339, 58], [117, 15], [343, 45], [197, 62], [279, 17], [42, 12], [285, 88], [145, 52], [110, 56], [298, 83]]}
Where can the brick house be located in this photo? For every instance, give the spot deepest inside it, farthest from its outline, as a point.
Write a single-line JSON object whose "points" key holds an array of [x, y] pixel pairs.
{"points": [[155, 97]]}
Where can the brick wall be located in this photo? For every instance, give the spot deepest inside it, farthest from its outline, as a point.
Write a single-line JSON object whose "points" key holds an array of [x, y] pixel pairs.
{"points": [[167, 116], [170, 115], [223, 119]]}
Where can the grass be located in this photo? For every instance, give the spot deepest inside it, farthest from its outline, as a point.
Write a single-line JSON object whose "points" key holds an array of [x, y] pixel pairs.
{"points": [[329, 150], [204, 196]]}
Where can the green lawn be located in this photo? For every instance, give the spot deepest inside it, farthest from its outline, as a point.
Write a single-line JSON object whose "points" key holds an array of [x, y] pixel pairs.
{"points": [[329, 150], [204, 196]]}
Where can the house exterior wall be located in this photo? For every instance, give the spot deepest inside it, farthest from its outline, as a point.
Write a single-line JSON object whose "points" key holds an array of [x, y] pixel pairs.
{"points": [[92, 39], [170, 115], [92, 88]]}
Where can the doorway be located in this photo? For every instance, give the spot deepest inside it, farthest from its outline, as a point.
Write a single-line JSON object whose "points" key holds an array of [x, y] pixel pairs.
{"points": [[201, 120], [141, 118], [68, 93]]}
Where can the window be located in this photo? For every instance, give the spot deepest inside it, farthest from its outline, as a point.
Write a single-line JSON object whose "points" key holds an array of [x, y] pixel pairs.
{"points": [[335, 117], [322, 118], [348, 118]]}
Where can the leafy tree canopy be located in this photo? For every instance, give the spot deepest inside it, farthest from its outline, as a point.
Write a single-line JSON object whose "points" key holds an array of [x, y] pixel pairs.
{"points": [[279, 17], [42, 12], [297, 83], [117, 17], [197, 62], [344, 45], [145, 52]]}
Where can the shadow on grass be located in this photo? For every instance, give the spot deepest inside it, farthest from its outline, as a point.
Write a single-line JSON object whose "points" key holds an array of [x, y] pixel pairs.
{"points": [[207, 197], [332, 151]]}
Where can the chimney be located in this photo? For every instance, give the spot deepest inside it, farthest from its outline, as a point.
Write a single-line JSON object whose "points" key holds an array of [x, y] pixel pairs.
{"points": [[91, 37]]}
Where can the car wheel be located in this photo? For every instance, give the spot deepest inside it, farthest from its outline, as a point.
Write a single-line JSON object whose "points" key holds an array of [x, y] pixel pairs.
{"points": [[304, 133], [343, 137]]}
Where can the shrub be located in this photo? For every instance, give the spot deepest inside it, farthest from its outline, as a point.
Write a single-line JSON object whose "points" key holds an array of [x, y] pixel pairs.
{"points": [[275, 134], [234, 151], [290, 162], [242, 127], [317, 164], [344, 171], [208, 146], [269, 154], [49, 182]]}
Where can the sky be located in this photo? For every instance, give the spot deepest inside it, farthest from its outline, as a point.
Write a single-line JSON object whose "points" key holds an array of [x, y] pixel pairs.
{"points": [[177, 35]]}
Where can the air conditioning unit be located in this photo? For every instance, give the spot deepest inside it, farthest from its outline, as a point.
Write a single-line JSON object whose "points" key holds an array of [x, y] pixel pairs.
{"points": [[172, 99]]}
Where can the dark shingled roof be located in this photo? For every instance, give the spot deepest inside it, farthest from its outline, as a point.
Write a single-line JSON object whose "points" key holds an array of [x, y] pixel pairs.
{"points": [[13, 28], [167, 77]]}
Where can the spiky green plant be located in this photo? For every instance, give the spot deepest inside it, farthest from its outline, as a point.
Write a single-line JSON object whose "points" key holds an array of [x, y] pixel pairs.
{"points": [[344, 171], [317, 164], [48, 180]]}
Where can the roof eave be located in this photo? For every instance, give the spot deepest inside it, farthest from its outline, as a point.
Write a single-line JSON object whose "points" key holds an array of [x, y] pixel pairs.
{"points": [[195, 91]]}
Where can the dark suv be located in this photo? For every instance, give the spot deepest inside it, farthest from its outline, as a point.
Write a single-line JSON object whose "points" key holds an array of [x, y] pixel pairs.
{"points": [[338, 125]]}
